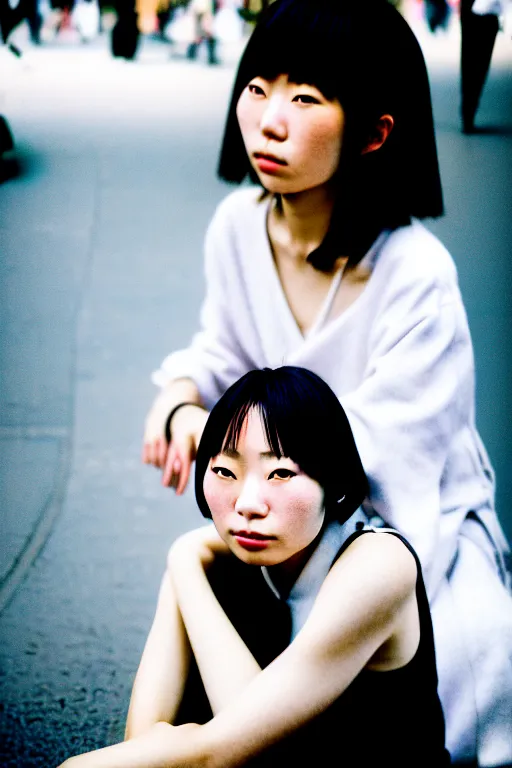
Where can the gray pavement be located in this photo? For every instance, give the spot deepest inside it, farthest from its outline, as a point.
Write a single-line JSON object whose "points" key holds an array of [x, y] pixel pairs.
{"points": [[101, 276]]}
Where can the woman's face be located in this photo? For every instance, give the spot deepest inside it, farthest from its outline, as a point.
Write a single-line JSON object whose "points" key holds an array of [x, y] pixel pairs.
{"points": [[265, 509], [292, 134]]}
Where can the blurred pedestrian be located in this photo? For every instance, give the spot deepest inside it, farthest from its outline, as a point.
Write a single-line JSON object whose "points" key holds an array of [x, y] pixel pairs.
{"points": [[437, 13], [86, 19], [125, 32], [203, 12], [13, 16], [479, 23]]}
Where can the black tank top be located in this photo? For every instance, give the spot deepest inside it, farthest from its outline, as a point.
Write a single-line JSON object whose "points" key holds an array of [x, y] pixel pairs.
{"points": [[383, 718], [393, 717]]}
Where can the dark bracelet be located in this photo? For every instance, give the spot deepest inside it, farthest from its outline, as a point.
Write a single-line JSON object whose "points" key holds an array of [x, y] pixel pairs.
{"points": [[176, 408]]}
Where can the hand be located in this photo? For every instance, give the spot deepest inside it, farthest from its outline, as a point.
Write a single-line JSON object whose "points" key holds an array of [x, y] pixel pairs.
{"points": [[156, 449], [186, 430]]}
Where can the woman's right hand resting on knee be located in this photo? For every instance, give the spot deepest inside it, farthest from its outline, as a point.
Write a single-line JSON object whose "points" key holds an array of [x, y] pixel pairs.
{"points": [[174, 458]]}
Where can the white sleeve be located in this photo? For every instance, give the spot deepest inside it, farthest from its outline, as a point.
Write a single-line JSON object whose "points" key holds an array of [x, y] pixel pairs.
{"points": [[216, 356], [415, 398]]}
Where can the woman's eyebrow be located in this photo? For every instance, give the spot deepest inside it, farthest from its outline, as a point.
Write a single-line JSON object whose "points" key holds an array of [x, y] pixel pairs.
{"points": [[231, 453]]}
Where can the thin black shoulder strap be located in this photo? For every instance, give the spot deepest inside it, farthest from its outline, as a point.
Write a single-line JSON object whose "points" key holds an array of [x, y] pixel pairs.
{"points": [[361, 529], [426, 647]]}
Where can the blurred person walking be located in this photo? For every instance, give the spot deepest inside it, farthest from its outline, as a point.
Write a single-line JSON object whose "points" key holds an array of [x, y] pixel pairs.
{"points": [[147, 15], [86, 19], [479, 24], [203, 12], [12, 16], [125, 33]]}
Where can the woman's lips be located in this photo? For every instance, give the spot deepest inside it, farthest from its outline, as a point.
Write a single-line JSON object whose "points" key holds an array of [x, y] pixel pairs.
{"points": [[268, 163], [253, 542]]}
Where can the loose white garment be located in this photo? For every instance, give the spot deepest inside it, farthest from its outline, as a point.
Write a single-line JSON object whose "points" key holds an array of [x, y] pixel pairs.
{"points": [[484, 7], [400, 359]]}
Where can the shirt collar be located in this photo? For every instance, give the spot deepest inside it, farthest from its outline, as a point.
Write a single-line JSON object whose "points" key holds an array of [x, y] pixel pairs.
{"points": [[312, 576]]}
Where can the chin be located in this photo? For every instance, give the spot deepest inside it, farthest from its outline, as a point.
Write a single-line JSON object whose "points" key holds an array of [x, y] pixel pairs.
{"points": [[257, 558], [280, 187]]}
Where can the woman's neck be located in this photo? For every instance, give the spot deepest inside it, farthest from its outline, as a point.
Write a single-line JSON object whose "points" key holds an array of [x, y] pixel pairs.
{"points": [[285, 574], [298, 223]]}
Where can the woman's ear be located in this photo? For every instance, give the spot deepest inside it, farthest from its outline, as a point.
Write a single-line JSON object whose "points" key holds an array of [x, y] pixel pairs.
{"points": [[380, 133]]}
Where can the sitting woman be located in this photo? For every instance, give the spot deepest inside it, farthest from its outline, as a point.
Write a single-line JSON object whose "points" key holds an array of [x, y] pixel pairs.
{"points": [[293, 632]]}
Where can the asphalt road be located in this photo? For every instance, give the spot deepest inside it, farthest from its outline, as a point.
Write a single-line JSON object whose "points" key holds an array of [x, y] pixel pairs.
{"points": [[101, 263]]}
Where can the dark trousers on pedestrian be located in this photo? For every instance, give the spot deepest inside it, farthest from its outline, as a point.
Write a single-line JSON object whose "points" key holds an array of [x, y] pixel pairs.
{"points": [[478, 34], [10, 18]]}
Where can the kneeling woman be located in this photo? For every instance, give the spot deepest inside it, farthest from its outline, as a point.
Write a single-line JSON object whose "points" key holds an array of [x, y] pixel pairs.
{"points": [[292, 632]]}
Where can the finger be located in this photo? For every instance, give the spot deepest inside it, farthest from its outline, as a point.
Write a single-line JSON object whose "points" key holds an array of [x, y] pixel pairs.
{"points": [[162, 448], [176, 469], [184, 475], [145, 453], [169, 468], [152, 454]]}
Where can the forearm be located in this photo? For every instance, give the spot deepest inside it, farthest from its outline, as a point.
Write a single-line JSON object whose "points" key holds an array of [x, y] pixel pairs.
{"points": [[179, 391], [162, 746], [162, 673], [353, 616], [225, 663]]}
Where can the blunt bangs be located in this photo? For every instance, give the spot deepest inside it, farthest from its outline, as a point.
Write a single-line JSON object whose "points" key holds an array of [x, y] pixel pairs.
{"points": [[302, 420], [364, 54], [300, 41]]}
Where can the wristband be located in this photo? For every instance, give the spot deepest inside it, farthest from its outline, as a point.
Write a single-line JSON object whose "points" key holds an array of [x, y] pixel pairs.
{"points": [[176, 408]]}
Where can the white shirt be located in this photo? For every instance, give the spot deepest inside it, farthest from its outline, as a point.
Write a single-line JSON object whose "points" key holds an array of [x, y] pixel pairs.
{"points": [[399, 358], [303, 594]]}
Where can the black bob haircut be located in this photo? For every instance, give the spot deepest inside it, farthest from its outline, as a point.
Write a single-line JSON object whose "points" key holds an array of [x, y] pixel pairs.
{"points": [[303, 420], [363, 53]]}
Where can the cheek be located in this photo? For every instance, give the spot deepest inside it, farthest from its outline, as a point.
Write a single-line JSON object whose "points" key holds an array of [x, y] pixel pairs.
{"points": [[328, 144], [244, 114], [217, 497], [323, 142], [306, 509]]}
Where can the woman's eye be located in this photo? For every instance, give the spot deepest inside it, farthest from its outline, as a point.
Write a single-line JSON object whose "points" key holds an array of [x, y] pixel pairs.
{"points": [[224, 472], [306, 98], [281, 474], [256, 90]]}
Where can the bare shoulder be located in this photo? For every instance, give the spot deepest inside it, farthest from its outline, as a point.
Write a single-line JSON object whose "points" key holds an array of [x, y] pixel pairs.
{"points": [[379, 558], [363, 598], [193, 541]]}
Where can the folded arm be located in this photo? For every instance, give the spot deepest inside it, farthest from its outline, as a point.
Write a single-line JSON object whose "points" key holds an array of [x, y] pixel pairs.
{"points": [[225, 663], [356, 612]]}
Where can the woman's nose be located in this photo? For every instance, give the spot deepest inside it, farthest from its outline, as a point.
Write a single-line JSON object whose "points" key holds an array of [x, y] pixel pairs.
{"points": [[251, 503], [273, 121]]}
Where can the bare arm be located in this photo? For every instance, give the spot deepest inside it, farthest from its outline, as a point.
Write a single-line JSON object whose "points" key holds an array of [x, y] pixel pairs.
{"points": [[160, 679], [356, 612], [225, 663]]}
